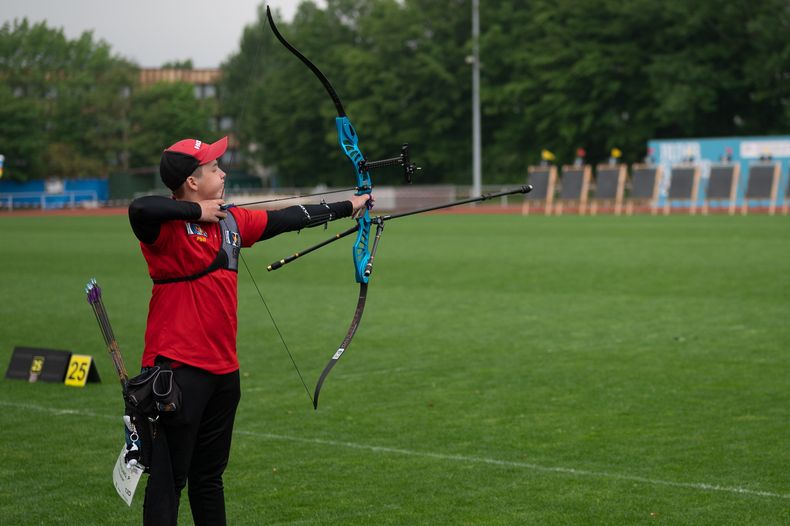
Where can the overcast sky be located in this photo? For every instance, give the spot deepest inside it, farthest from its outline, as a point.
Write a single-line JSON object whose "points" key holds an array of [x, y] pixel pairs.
{"points": [[152, 32]]}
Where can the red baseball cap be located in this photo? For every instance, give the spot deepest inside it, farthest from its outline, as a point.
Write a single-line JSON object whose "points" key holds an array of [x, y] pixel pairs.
{"points": [[180, 160], [203, 152]]}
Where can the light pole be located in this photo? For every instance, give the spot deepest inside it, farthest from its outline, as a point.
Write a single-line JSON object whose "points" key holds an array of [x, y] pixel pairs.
{"points": [[477, 164]]}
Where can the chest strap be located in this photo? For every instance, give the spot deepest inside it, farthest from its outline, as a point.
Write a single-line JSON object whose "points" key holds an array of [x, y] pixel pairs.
{"points": [[227, 257]]}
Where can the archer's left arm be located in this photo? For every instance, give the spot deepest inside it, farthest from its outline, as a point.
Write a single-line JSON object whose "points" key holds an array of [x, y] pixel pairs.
{"points": [[304, 216]]}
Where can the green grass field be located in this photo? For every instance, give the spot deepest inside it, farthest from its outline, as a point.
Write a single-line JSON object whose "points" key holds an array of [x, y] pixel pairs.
{"points": [[508, 370]]}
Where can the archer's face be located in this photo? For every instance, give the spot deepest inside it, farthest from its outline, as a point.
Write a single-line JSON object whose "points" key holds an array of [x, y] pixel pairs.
{"points": [[212, 181]]}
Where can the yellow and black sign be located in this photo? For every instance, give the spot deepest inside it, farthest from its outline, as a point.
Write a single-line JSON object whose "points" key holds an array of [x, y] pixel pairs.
{"points": [[36, 366], [78, 370], [51, 365]]}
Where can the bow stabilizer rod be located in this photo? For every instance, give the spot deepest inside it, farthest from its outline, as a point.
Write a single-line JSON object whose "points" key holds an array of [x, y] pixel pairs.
{"points": [[485, 197], [380, 220]]}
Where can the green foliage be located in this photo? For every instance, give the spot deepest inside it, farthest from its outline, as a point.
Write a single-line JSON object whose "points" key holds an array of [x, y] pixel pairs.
{"points": [[601, 73], [70, 95], [72, 109], [555, 74], [387, 79], [161, 115], [22, 136]]}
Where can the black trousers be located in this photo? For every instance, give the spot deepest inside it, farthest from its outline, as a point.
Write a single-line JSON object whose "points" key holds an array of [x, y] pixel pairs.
{"points": [[193, 449]]}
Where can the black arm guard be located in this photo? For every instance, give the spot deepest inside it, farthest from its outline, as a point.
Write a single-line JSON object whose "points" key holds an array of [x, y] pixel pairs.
{"points": [[304, 216]]}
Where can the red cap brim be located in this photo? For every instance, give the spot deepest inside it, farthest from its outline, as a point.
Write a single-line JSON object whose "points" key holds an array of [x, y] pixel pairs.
{"points": [[204, 153], [213, 151]]}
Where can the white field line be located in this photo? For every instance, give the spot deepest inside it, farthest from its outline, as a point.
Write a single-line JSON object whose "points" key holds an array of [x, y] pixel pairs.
{"points": [[523, 465], [701, 486]]}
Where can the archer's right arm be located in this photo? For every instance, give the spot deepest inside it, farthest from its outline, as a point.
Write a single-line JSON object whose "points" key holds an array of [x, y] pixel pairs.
{"points": [[146, 214]]}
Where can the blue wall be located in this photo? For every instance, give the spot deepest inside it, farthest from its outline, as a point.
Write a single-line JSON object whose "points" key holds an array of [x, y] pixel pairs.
{"points": [[707, 151], [54, 200]]}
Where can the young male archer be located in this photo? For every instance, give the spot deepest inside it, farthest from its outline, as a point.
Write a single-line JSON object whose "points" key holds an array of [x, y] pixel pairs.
{"points": [[191, 245]]}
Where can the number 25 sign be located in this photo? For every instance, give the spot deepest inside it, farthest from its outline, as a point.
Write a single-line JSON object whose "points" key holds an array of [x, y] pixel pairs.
{"points": [[77, 372]]}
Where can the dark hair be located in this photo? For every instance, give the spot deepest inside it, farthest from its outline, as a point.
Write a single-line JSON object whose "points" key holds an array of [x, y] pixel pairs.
{"points": [[175, 167]]}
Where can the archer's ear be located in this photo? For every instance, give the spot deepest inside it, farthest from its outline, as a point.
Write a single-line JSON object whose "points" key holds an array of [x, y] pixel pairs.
{"points": [[191, 183]]}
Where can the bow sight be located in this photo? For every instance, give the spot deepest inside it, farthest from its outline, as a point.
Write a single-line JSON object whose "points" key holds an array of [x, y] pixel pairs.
{"points": [[403, 160]]}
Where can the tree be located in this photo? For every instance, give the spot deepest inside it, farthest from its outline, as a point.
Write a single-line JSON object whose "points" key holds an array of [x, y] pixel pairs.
{"points": [[556, 74], [604, 73], [22, 136], [161, 115], [75, 90], [280, 109], [389, 63]]}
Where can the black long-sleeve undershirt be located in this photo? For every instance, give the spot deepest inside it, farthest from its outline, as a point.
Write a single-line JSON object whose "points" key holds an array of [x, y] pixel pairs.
{"points": [[304, 216], [146, 214]]}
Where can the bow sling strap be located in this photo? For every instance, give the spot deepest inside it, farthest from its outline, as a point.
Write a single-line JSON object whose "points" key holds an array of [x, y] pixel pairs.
{"points": [[227, 257]]}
